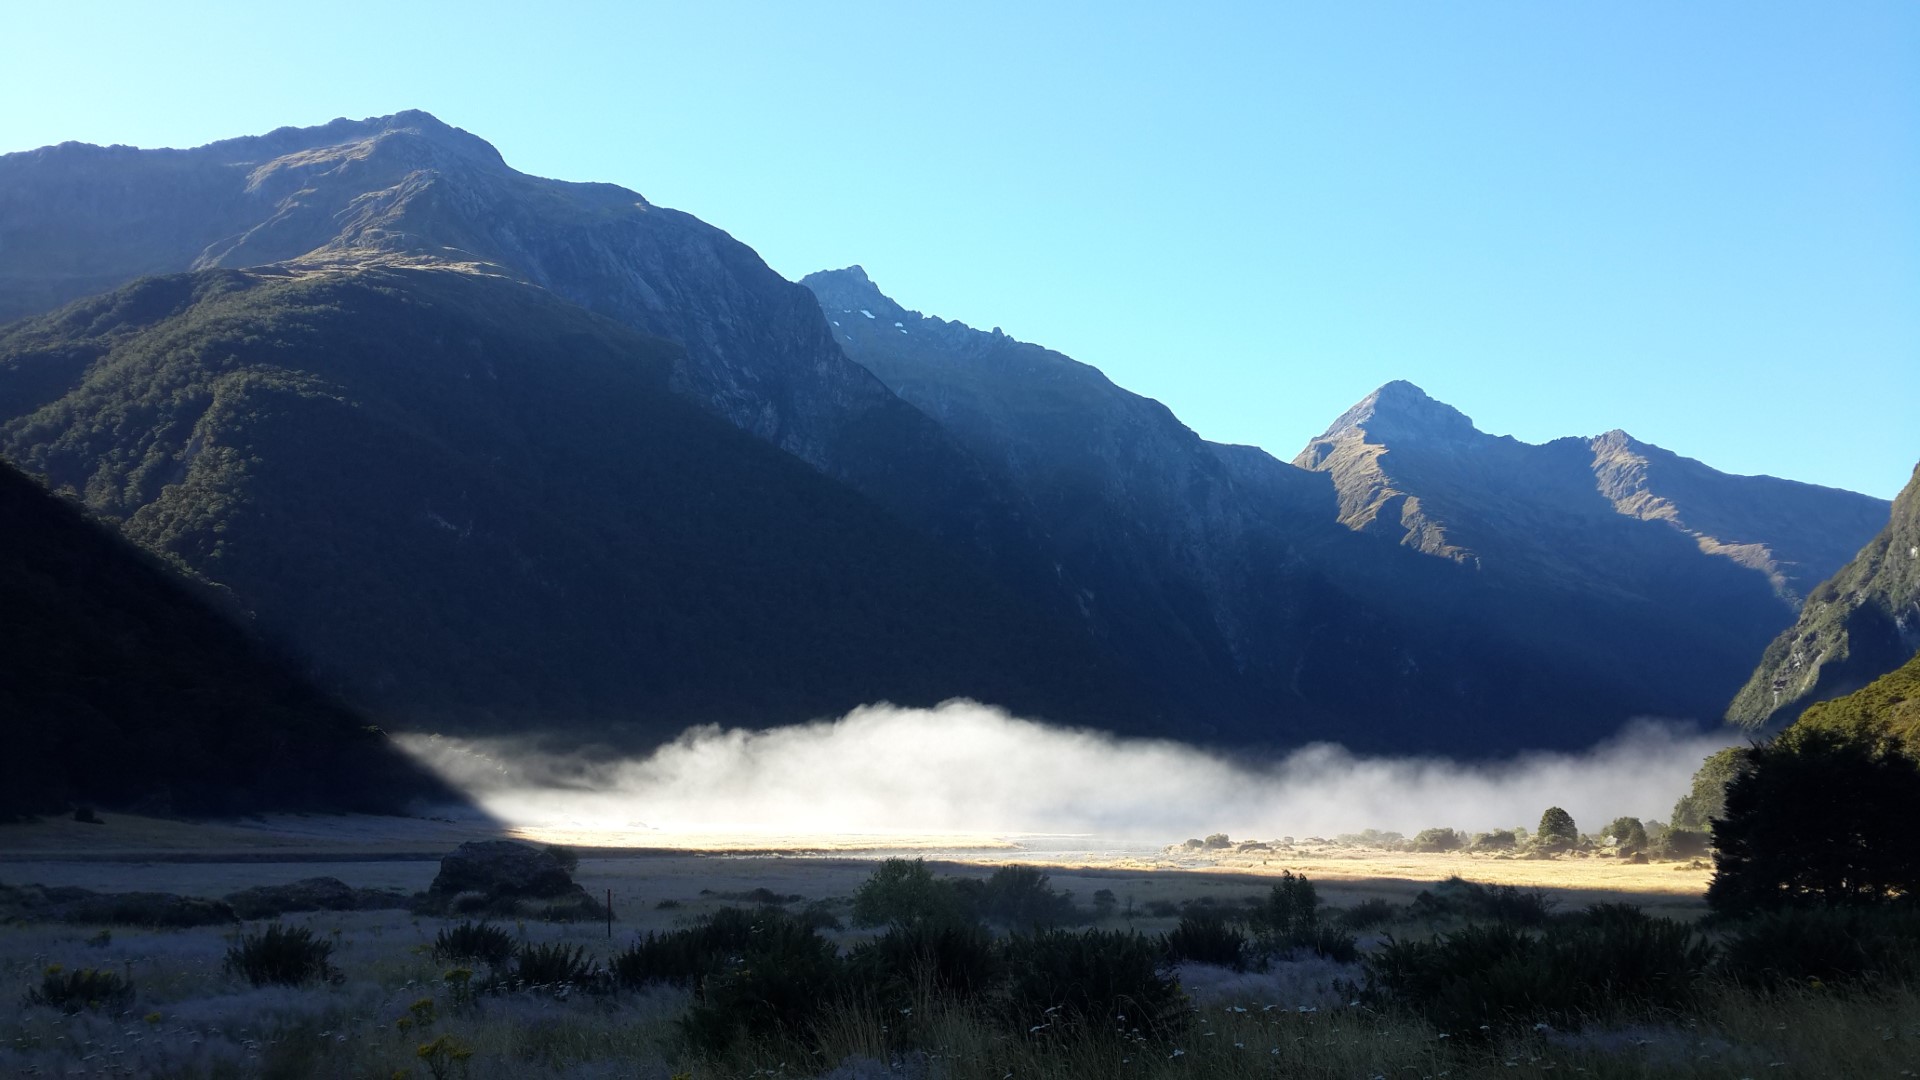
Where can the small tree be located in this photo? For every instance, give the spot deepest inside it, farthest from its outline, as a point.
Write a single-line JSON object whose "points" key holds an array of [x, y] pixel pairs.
{"points": [[904, 892], [1627, 834], [1438, 840], [1707, 799], [1557, 831]]}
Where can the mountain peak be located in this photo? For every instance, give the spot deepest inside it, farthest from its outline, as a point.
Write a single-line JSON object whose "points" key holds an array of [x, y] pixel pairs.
{"points": [[850, 289], [1400, 410]]}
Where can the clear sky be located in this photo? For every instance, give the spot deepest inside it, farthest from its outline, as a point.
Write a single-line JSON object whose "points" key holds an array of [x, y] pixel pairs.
{"points": [[1699, 222]]}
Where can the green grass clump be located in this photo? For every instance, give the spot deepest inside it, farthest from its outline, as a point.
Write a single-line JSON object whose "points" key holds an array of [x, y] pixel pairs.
{"points": [[481, 941], [281, 956], [86, 988]]}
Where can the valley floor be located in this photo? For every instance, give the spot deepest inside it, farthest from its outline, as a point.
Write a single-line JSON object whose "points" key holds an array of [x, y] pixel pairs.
{"points": [[394, 1001]]}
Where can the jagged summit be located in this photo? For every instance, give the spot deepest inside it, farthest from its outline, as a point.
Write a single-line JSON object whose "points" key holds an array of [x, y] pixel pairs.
{"points": [[1402, 410], [851, 290]]}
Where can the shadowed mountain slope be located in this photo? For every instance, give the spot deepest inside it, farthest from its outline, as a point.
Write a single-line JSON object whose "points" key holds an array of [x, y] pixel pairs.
{"points": [[1859, 624], [409, 190], [471, 505], [122, 685], [1410, 575]]}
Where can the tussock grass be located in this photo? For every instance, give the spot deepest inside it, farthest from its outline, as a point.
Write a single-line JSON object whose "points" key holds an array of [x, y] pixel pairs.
{"points": [[191, 1019]]}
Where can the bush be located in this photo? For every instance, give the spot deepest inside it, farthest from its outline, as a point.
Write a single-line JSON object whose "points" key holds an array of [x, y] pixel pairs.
{"points": [[1497, 840], [1676, 844], [777, 985], [1218, 840], [683, 957], [1627, 833], [281, 956], [87, 988], [1818, 817], [552, 964], [1020, 898], [1557, 831], [1483, 979], [1438, 840], [958, 962], [1207, 938], [1104, 903], [474, 941], [1835, 945], [904, 892], [1093, 978], [1458, 898], [1368, 914]]}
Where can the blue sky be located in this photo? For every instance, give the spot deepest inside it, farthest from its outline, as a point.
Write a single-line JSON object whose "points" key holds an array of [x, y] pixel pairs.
{"points": [[1699, 222]]}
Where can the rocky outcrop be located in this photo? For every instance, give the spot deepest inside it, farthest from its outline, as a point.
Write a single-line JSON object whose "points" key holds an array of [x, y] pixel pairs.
{"points": [[503, 868], [1858, 625]]}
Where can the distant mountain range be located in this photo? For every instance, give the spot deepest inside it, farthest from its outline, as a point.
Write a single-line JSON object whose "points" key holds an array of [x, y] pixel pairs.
{"points": [[1585, 580], [494, 452]]}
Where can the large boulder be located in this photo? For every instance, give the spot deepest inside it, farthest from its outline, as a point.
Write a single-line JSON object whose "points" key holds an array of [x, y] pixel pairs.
{"points": [[503, 870]]}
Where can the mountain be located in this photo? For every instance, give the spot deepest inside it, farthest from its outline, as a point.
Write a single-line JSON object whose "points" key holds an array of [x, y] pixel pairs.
{"points": [[1408, 578], [1407, 466], [471, 505], [408, 190], [1859, 624], [122, 685], [1888, 705]]}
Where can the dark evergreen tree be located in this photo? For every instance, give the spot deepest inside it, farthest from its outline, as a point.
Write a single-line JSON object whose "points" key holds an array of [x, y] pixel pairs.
{"points": [[1557, 831], [1819, 817]]}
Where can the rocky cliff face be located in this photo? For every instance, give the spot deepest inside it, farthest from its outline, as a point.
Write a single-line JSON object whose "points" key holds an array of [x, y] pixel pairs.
{"points": [[1856, 626], [1577, 510]]}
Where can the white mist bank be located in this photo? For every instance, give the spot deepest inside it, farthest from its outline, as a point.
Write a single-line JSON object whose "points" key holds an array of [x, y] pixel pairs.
{"points": [[966, 768]]}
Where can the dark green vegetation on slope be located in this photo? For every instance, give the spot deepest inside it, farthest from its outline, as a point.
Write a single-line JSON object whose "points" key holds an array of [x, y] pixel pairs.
{"points": [[1889, 705], [474, 506], [1856, 626], [121, 684]]}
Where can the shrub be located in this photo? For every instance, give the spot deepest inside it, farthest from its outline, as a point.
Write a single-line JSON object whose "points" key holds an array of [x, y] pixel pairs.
{"points": [[1458, 898], [568, 858], [955, 961], [281, 956], [1368, 914], [552, 964], [1207, 938], [682, 957], [474, 941], [1438, 840], [1092, 977], [1104, 903], [1497, 840], [776, 986], [905, 892], [1161, 909], [1020, 898], [87, 988], [1288, 919], [1486, 978], [1835, 945], [1627, 833], [1218, 840]]}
